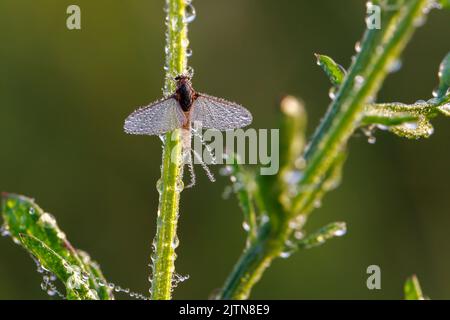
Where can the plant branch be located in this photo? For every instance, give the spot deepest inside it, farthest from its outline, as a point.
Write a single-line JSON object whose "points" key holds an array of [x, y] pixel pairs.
{"points": [[379, 49], [170, 184]]}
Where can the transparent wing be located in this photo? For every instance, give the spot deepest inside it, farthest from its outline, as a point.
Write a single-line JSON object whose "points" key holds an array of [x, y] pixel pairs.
{"points": [[155, 119], [220, 114]]}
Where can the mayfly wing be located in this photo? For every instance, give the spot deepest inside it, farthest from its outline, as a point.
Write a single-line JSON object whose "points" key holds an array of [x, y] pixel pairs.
{"points": [[218, 113], [155, 119]]}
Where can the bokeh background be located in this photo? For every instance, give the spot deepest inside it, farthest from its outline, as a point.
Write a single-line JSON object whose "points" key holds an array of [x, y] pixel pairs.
{"points": [[64, 95]]}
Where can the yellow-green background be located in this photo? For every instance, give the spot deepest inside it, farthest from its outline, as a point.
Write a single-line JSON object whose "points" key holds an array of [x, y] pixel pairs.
{"points": [[64, 95]]}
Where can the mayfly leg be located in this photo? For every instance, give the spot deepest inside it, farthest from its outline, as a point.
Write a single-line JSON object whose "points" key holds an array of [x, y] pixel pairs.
{"points": [[188, 159], [187, 156], [204, 166], [196, 133], [190, 164]]}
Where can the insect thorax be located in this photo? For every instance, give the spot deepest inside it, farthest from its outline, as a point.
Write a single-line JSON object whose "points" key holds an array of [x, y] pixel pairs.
{"points": [[184, 95]]}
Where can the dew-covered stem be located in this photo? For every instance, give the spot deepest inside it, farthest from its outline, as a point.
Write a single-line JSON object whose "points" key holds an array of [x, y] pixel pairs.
{"points": [[170, 184], [378, 50]]}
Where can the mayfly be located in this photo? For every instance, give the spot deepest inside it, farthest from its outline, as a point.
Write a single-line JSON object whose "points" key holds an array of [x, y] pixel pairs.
{"points": [[182, 108]]}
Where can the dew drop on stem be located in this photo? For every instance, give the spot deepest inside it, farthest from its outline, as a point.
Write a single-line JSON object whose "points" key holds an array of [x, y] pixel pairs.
{"points": [[160, 186], [190, 13], [395, 66], [341, 231], [185, 43], [175, 242], [332, 93], [4, 232], [359, 80]]}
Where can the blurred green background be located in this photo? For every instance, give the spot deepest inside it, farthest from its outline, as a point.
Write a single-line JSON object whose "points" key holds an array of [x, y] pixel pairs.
{"points": [[64, 95]]}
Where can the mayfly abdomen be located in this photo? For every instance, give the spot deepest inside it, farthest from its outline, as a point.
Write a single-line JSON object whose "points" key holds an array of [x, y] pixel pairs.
{"points": [[186, 139]]}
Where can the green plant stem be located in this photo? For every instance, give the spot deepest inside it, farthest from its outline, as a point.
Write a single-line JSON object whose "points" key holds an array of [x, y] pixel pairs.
{"points": [[379, 49], [170, 184]]}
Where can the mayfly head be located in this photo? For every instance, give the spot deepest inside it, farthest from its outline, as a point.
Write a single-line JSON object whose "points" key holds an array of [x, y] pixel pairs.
{"points": [[182, 77]]}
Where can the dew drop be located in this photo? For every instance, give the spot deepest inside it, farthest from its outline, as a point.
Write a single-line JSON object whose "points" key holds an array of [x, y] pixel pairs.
{"points": [[341, 231], [317, 204], [332, 93], [47, 220], [293, 177], [226, 171], [285, 254], [299, 235], [395, 66], [411, 126], [185, 42], [160, 186], [359, 80], [246, 226], [175, 242], [179, 185], [190, 13], [436, 93], [263, 218], [4, 231], [51, 292], [298, 222]]}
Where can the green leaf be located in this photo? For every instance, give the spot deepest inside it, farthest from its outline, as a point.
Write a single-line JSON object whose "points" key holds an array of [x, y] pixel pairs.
{"points": [[407, 120], [412, 289], [330, 231], [444, 77], [335, 72], [421, 128], [77, 286], [23, 217], [387, 120]]}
